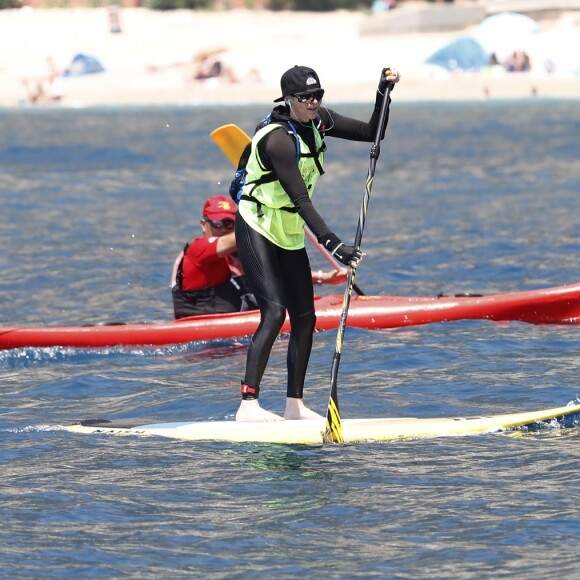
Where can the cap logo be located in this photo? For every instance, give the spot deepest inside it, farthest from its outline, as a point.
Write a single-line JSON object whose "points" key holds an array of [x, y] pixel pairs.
{"points": [[225, 205], [311, 80]]}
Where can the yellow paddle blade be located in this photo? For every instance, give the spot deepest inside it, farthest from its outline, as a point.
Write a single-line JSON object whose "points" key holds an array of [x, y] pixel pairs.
{"points": [[231, 140], [333, 430]]}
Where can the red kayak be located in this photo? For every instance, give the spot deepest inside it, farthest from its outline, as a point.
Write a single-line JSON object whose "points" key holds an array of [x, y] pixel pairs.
{"points": [[560, 305]]}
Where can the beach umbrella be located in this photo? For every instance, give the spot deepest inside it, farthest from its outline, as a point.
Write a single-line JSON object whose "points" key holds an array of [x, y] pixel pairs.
{"points": [[464, 53], [506, 31], [205, 54], [508, 23]]}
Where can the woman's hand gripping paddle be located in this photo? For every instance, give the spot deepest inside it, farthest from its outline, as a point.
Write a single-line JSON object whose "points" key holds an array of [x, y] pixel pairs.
{"points": [[232, 141], [333, 430]]}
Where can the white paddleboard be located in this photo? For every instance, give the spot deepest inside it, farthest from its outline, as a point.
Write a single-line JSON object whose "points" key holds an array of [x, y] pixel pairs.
{"points": [[310, 431]]}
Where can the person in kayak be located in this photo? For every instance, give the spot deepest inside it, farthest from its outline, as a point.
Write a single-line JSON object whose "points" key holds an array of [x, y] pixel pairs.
{"points": [[208, 276], [285, 160]]}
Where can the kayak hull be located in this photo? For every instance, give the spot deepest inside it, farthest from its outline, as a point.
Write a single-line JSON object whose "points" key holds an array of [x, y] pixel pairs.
{"points": [[558, 305]]}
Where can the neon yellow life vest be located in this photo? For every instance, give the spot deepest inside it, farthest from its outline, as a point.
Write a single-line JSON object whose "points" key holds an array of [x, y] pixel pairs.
{"points": [[271, 211]]}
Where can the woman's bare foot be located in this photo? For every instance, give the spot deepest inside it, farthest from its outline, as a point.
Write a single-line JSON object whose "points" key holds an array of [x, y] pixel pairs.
{"points": [[250, 410], [296, 410]]}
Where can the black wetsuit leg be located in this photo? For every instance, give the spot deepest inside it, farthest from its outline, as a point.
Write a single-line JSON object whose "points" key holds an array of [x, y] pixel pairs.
{"points": [[281, 281]]}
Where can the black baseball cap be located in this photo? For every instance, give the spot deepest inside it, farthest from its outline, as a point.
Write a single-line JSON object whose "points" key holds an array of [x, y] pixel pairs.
{"points": [[298, 79]]}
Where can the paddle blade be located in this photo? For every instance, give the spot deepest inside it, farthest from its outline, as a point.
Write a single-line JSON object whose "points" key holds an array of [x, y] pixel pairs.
{"points": [[231, 140], [333, 430]]}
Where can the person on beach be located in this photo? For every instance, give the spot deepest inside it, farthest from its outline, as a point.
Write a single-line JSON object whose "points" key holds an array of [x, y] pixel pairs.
{"points": [[46, 89], [208, 276], [286, 159]]}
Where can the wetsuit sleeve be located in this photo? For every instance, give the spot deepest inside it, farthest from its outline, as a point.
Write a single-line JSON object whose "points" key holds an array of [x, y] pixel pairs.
{"points": [[352, 129], [278, 151]]}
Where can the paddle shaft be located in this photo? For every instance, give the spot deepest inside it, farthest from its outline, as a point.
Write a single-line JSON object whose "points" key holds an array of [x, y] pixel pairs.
{"points": [[333, 431], [232, 140]]}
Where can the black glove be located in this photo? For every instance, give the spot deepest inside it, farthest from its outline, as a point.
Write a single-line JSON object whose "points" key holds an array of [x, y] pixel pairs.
{"points": [[348, 255], [383, 82]]}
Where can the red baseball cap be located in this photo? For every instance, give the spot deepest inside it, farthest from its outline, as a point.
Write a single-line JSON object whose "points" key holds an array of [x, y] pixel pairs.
{"points": [[219, 208]]}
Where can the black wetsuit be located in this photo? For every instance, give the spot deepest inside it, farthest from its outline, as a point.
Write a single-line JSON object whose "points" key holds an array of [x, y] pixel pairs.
{"points": [[280, 279]]}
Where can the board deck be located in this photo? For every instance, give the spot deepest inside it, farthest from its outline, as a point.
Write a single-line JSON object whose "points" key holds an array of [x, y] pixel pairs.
{"points": [[310, 432]]}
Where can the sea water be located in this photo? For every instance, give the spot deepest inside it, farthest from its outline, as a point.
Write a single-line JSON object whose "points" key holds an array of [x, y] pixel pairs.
{"points": [[467, 197]]}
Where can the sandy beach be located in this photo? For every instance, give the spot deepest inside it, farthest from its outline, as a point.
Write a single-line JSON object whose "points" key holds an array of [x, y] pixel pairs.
{"points": [[155, 56]]}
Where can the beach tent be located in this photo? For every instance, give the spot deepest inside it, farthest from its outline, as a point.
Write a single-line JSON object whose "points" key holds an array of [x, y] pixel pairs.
{"points": [[83, 64], [464, 53]]}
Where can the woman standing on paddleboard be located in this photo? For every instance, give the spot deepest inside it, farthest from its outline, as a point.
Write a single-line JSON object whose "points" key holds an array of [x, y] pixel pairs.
{"points": [[285, 160]]}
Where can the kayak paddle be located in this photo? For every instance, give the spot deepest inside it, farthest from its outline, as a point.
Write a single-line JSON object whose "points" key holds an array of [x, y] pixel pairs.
{"points": [[231, 140]]}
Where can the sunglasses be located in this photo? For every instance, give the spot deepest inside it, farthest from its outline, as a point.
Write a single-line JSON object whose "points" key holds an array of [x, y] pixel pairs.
{"points": [[227, 224], [310, 96]]}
